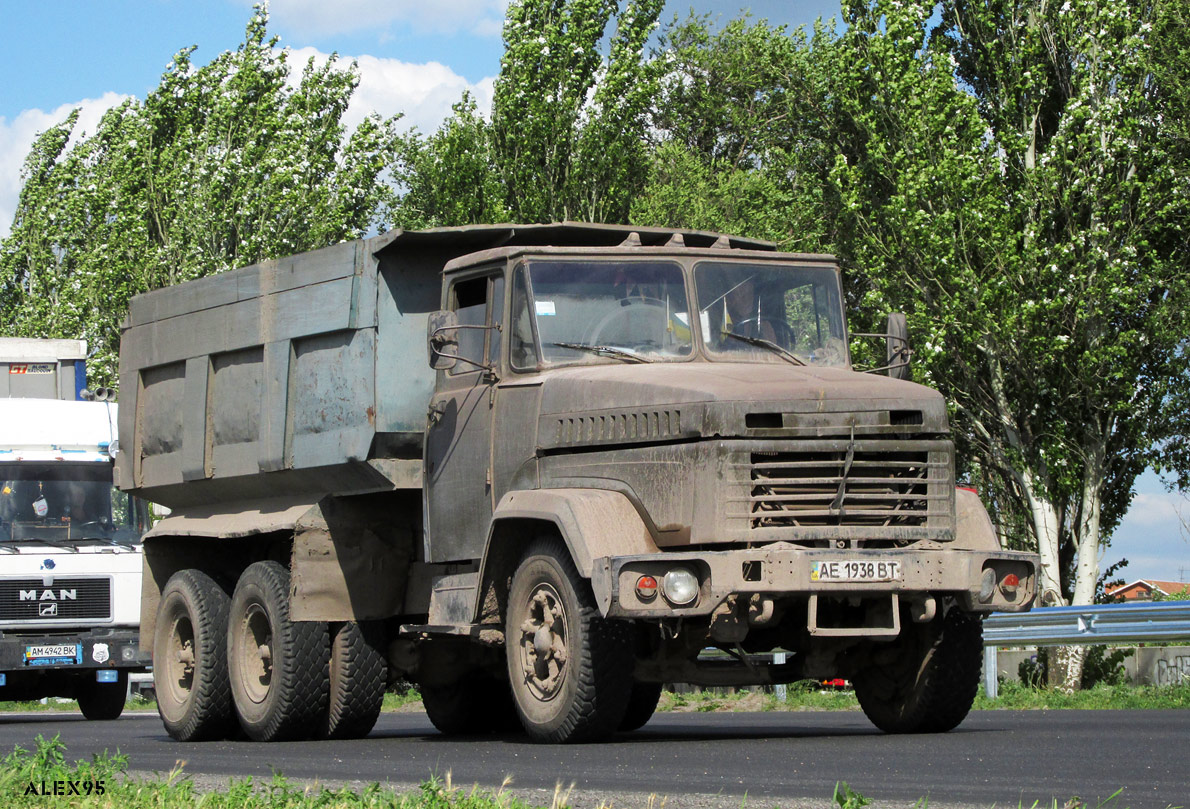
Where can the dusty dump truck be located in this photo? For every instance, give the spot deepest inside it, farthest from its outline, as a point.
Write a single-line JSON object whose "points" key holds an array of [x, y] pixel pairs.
{"points": [[538, 471]]}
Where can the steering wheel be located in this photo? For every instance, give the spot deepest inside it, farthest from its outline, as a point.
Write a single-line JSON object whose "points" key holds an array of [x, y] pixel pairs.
{"points": [[783, 334], [628, 306]]}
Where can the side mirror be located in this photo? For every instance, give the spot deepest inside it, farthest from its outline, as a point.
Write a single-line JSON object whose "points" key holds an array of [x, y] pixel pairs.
{"points": [[897, 339], [443, 340]]}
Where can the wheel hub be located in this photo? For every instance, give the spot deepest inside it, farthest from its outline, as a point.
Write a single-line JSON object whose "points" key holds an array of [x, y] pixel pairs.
{"points": [[255, 654], [179, 663], [543, 643]]}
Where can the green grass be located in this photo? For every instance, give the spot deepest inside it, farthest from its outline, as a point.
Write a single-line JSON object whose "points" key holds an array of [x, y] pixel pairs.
{"points": [[808, 696], [44, 777], [103, 783], [56, 704], [1015, 696]]}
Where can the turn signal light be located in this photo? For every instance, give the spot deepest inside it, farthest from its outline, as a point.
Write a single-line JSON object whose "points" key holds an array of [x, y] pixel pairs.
{"points": [[646, 588], [1009, 584]]}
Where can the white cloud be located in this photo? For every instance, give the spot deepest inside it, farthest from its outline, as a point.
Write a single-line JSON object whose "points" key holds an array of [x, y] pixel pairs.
{"points": [[17, 137], [1159, 510], [423, 92], [317, 17]]}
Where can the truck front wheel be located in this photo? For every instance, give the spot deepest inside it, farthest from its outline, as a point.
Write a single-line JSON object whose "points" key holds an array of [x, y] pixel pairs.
{"points": [[190, 658], [103, 700], [278, 667], [477, 704], [925, 681], [570, 669]]}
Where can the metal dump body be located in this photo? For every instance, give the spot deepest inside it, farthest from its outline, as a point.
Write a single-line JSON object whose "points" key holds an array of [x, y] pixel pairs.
{"points": [[305, 375]]}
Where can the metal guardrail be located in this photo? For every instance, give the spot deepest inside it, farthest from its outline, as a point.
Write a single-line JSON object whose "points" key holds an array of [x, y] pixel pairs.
{"points": [[1158, 622]]}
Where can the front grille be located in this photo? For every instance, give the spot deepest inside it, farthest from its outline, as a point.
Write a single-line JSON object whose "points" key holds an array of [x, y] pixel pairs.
{"points": [[859, 484], [63, 599]]}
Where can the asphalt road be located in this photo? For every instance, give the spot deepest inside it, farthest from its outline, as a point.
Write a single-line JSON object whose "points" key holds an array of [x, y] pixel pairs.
{"points": [[1006, 758]]}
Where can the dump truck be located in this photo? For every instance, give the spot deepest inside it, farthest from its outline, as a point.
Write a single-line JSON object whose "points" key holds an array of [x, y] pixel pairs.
{"points": [[70, 552], [538, 471]]}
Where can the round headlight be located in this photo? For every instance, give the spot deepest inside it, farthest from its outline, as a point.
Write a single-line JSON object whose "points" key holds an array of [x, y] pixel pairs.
{"points": [[680, 586]]}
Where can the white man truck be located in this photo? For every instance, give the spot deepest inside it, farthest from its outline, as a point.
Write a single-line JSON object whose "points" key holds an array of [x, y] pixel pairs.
{"points": [[70, 552]]}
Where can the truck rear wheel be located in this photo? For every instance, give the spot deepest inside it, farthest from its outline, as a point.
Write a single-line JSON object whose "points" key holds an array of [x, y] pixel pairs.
{"points": [[927, 679], [103, 700], [642, 704], [278, 668], [190, 658], [357, 679], [570, 669]]}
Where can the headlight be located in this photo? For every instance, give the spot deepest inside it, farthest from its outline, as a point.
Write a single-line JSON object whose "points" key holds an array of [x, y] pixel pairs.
{"points": [[680, 586]]}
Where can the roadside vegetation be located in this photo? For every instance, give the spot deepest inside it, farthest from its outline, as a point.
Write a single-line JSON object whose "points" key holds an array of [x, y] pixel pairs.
{"points": [[44, 776], [811, 696]]}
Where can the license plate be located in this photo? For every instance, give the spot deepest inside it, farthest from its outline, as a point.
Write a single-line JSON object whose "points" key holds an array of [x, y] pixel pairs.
{"points": [[855, 570], [53, 654]]}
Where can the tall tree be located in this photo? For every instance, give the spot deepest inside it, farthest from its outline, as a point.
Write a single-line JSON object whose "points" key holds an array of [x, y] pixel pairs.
{"points": [[1004, 180], [221, 166], [566, 135]]}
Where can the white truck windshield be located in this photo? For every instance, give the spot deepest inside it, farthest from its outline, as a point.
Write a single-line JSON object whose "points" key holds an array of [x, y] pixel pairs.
{"points": [[66, 502]]}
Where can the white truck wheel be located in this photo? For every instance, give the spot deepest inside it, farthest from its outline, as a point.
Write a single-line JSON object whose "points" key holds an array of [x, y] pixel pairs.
{"points": [[102, 700]]}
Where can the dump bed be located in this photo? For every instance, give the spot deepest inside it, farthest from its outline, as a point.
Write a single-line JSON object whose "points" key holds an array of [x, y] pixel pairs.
{"points": [[303, 375]]}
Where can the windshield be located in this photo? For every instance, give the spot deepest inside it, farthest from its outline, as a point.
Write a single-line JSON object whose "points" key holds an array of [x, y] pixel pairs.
{"points": [[65, 502], [599, 311], [771, 313]]}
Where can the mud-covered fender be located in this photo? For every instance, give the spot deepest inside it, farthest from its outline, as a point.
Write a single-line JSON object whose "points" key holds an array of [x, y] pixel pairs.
{"points": [[973, 526], [594, 523]]}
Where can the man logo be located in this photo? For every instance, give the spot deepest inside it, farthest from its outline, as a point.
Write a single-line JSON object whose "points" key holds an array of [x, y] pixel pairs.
{"points": [[49, 609], [48, 595]]}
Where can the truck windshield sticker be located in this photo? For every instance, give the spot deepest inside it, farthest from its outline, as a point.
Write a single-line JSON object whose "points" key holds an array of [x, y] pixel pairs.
{"points": [[545, 309]]}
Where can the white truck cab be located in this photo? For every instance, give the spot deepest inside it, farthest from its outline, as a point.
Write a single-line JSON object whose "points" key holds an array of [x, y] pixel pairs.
{"points": [[70, 557]]}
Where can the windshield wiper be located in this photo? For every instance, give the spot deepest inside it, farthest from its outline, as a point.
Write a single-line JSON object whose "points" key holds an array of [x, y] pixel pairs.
{"points": [[57, 543], [769, 344], [610, 351]]}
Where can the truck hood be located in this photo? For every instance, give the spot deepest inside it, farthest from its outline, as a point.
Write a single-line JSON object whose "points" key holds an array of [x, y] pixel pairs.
{"points": [[34, 558], [686, 400]]}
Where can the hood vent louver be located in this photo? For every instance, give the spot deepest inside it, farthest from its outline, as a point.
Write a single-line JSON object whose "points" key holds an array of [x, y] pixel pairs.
{"points": [[618, 428]]}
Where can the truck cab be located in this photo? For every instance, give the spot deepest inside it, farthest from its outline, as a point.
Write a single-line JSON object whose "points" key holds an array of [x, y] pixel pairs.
{"points": [[70, 544]]}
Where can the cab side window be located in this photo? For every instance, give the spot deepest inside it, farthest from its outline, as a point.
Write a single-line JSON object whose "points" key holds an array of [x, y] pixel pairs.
{"points": [[477, 302]]}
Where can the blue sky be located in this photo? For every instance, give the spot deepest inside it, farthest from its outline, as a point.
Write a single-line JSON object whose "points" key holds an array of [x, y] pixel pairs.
{"points": [[415, 57]]}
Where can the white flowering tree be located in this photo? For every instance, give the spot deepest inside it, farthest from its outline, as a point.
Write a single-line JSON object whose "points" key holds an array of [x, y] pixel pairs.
{"points": [[221, 166], [565, 139]]}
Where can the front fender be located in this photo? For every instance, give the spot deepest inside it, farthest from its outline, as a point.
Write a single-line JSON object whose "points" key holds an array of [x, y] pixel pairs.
{"points": [[973, 526], [593, 523]]}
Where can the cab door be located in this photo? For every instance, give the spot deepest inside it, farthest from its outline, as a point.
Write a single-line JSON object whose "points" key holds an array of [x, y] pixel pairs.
{"points": [[458, 446]]}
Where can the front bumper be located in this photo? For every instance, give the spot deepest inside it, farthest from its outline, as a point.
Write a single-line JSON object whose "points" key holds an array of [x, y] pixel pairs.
{"points": [[787, 573], [99, 648]]}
